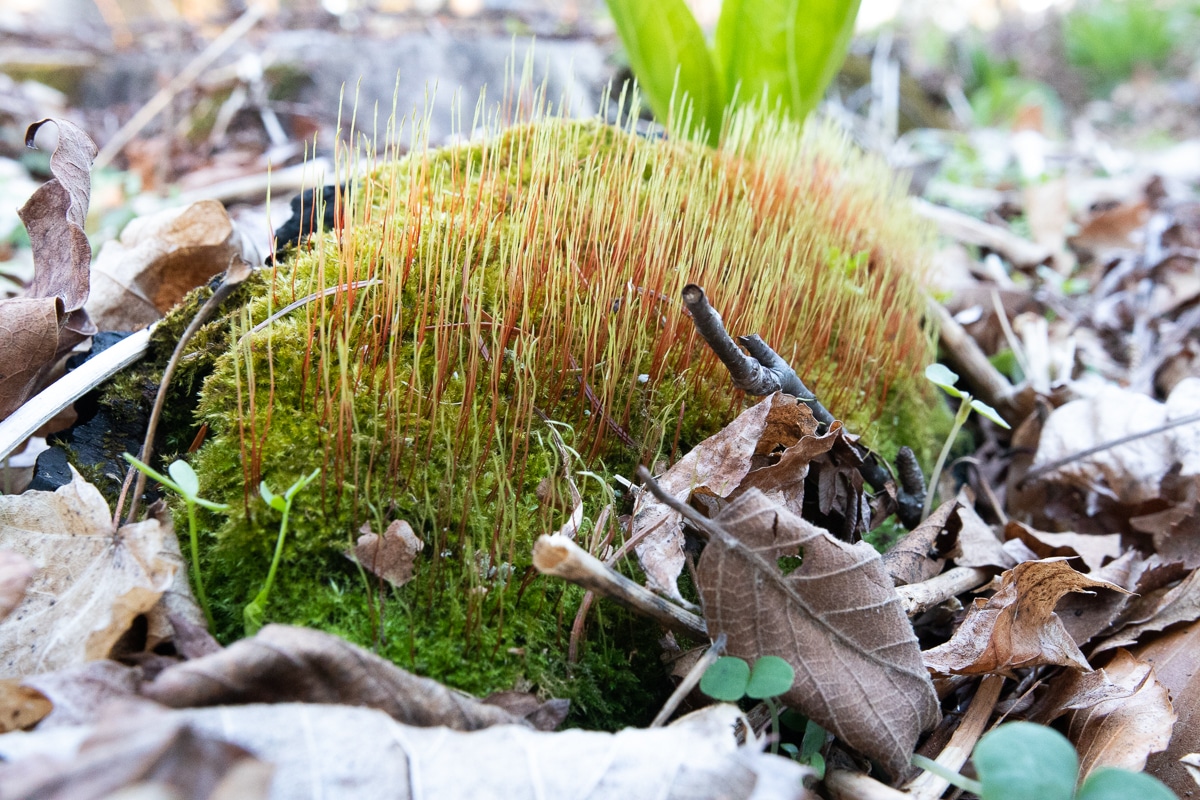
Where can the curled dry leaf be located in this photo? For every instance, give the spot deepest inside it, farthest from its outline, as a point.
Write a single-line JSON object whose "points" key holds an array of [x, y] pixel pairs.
{"points": [[716, 466], [836, 619], [339, 751], [979, 546], [158, 259], [391, 556], [1158, 611], [1017, 627], [49, 320], [1123, 732], [282, 664], [922, 553], [16, 572], [79, 692], [92, 581]]}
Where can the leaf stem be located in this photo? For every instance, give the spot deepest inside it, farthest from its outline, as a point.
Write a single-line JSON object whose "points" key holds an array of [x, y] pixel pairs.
{"points": [[954, 778], [960, 418]]}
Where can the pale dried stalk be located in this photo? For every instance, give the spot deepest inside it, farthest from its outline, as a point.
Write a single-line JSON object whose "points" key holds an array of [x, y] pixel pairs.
{"points": [[690, 681], [562, 558], [961, 227], [917, 598], [845, 785], [928, 786]]}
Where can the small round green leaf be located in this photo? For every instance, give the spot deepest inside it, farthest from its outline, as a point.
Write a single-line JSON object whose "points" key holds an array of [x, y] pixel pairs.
{"points": [[989, 412], [1110, 783], [1021, 760], [726, 679], [273, 500], [943, 377], [770, 676], [185, 478]]}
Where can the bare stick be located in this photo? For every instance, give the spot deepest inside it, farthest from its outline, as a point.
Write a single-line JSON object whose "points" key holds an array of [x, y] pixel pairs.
{"points": [[961, 227], [240, 27], [843, 784], [917, 598], [928, 786], [690, 681], [234, 276], [562, 558], [41, 408]]}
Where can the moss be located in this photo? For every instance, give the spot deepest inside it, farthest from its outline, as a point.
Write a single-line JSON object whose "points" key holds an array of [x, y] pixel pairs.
{"points": [[501, 306]]}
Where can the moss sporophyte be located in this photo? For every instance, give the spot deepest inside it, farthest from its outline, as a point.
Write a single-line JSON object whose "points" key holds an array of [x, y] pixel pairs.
{"points": [[475, 295]]}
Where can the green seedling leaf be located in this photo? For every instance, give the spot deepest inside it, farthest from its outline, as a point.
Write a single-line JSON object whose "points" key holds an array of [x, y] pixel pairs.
{"points": [[174, 486], [989, 412], [813, 741], [1022, 760], [726, 679], [943, 377], [663, 40], [300, 483], [275, 501], [185, 479], [771, 676], [1110, 783], [788, 50], [255, 613]]}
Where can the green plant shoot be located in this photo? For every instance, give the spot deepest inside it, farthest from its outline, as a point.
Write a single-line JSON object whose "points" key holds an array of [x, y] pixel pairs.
{"points": [[783, 54], [255, 611], [945, 379], [729, 679], [186, 484], [1020, 760]]}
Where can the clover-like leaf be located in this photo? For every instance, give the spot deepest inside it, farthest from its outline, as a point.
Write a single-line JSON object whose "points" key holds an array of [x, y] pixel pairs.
{"points": [[1111, 783], [1022, 760], [770, 676], [726, 679]]}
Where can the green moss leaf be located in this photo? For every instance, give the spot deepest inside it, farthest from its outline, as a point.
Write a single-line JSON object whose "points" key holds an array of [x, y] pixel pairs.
{"points": [[1021, 760]]}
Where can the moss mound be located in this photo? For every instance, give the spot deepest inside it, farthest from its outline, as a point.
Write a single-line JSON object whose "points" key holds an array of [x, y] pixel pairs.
{"points": [[490, 311]]}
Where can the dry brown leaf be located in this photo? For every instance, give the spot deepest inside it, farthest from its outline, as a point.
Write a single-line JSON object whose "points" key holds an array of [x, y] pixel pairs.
{"points": [[1173, 657], [157, 260], [1133, 472], [127, 751], [717, 465], [836, 619], [21, 706], [38, 328], [284, 664], [1017, 626], [339, 751], [978, 544], [1157, 611], [16, 573], [542, 715], [1091, 548], [1123, 732], [79, 691], [91, 583], [922, 553], [390, 557]]}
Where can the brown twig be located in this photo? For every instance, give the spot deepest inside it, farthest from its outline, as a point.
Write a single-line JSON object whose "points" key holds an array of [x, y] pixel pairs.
{"points": [[238, 271], [562, 558]]}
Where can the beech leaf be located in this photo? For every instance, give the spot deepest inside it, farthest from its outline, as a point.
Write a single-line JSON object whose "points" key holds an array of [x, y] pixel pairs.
{"points": [[1017, 627], [390, 556], [91, 583], [836, 619]]}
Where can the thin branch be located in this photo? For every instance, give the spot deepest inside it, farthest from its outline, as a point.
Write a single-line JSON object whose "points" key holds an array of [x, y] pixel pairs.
{"points": [[562, 558], [690, 681], [238, 271]]}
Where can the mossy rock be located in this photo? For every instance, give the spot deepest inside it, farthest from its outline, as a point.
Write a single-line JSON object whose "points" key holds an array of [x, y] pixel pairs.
{"points": [[491, 309]]}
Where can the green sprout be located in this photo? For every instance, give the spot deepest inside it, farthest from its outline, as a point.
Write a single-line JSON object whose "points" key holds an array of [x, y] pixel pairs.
{"points": [[729, 679], [183, 481], [1019, 760], [946, 379], [255, 611]]}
